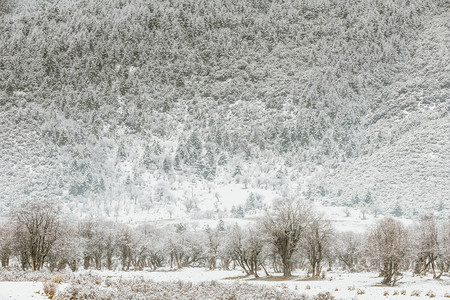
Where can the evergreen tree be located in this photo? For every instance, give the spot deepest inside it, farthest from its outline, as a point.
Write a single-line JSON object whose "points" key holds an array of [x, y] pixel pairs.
{"points": [[368, 199], [167, 165], [147, 159], [397, 210], [237, 171], [355, 200]]}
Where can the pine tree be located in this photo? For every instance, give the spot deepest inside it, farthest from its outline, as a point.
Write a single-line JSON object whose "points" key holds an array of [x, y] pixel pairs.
{"points": [[222, 160], [147, 159], [193, 149], [397, 211], [167, 165], [368, 199], [355, 200], [237, 171]]}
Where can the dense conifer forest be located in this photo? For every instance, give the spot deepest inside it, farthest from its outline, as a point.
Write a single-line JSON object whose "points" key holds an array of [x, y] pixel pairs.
{"points": [[107, 103]]}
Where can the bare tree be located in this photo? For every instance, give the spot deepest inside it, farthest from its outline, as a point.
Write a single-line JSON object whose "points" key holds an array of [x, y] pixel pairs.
{"points": [[6, 242], [86, 232], [185, 248], [66, 250], [99, 242], [443, 260], [387, 245], [124, 240], [246, 248], [285, 226], [347, 248], [427, 247], [213, 243], [255, 242], [316, 242], [235, 245], [38, 228], [109, 243]]}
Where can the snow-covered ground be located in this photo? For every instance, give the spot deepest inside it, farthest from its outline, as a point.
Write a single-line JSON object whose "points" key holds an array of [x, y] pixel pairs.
{"points": [[21, 290], [366, 286], [341, 285]]}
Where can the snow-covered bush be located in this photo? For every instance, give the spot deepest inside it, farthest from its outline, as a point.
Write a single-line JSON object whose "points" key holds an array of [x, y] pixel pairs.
{"points": [[324, 296], [10, 274], [83, 287]]}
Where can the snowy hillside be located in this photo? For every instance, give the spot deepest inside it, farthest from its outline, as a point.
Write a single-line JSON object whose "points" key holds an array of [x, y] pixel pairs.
{"points": [[139, 109]]}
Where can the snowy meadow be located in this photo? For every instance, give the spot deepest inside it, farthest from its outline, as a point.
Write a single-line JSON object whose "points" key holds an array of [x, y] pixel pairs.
{"points": [[201, 283]]}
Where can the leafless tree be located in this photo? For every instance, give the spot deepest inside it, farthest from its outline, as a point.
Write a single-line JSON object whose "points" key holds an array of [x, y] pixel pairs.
{"points": [[66, 250], [109, 243], [387, 246], [235, 244], [6, 242], [316, 242], [255, 245], [246, 248], [38, 228], [86, 230], [443, 260], [213, 243], [124, 240], [347, 247], [285, 225], [427, 246], [185, 248]]}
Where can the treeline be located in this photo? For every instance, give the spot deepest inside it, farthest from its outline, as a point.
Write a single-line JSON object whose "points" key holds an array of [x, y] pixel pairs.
{"points": [[290, 236], [196, 88]]}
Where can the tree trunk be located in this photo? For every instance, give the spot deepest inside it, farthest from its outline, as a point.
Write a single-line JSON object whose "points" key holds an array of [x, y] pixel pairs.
{"points": [[109, 255], [264, 268], [87, 262], [286, 267], [73, 265]]}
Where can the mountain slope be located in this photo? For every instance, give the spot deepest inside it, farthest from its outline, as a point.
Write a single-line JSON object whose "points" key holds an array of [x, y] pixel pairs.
{"points": [[108, 104], [412, 165]]}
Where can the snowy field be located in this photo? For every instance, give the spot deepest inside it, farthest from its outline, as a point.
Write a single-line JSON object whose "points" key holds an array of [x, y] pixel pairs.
{"points": [[21, 290], [338, 284]]}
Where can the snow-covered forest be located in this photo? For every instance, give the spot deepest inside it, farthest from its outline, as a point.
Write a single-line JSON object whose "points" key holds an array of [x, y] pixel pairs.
{"points": [[291, 141], [108, 104]]}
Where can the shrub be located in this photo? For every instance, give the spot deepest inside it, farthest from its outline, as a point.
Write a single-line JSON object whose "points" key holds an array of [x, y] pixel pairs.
{"points": [[58, 278], [50, 289], [85, 287], [415, 293], [324, 296], [430, 294]]}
